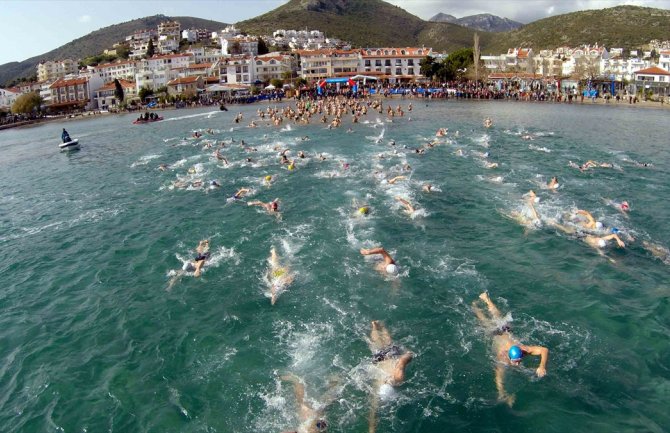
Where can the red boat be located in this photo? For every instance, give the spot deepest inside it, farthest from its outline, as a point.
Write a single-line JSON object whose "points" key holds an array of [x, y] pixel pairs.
{"points": [[141, 121]]}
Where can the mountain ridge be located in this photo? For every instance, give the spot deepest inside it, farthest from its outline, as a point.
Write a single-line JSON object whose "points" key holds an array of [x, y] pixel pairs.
{"points": [[483, 22]]}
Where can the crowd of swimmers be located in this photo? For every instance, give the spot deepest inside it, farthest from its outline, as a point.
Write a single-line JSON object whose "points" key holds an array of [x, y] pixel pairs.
{"points": [[389, 359]]}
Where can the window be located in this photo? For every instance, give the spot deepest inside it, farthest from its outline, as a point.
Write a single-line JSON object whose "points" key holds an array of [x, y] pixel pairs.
{"points": [[410, 71], [367, 63], [387, 62], [378, 62], [398, 62], [398, 71], [410, 62]]}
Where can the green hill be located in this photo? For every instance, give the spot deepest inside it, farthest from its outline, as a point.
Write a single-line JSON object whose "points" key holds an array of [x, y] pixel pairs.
{"points": [[96, 42], [364, 23], [622, 27]]}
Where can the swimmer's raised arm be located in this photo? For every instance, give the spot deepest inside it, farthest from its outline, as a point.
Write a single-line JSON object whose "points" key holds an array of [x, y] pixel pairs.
{"points": [[540, 351], [397, 178]]}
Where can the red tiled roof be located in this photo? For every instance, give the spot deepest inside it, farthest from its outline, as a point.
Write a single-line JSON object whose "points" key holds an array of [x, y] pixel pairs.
{"points": [[124, 83], [409, 52], [654, 70], [183, 80], [64, 82]]}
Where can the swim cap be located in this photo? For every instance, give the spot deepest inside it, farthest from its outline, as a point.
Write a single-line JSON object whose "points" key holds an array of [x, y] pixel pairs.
{"points": [[291, 166], [515, 353], [536, 199], [392, 269], [599, 225], [364, 210], [602, 243], [268, 178], [614, 230]]}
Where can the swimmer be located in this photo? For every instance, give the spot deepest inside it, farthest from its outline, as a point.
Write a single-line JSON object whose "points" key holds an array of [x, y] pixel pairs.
{"points": [[488, 122], [427, 188], [279, 276], [311, 420], [390, 362], [622, 207], [532, 199], [590, 223], [387, 264], [508, 350], [599, 242], [201, 257], [271, 207], [409, 209], [240, 193], [553, 184], [395, 179], [268, 179], [163, 167]]}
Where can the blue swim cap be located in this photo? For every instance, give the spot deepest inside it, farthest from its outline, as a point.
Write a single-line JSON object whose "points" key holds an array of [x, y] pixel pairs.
{"points": [[515, 353], [615, 230]]}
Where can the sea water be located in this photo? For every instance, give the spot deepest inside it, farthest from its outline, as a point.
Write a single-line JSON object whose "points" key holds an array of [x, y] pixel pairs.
{"points": [[101, 330]]}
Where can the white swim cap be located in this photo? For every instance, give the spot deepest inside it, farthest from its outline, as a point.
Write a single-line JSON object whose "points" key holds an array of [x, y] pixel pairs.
{"points": [[386, 392], [536, 199], [392, 269], [556, 185], [602, 243], [599, 225]]}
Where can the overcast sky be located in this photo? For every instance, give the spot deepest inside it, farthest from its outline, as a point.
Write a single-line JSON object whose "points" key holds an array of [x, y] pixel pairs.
{"points": [[34, 27]]}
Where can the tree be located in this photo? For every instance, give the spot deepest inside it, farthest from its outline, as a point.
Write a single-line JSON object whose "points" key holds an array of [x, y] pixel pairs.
{"points": [[476, 55], [262, 47], [427, 66], [27, 103], [236, 48], [277, 83], [144, 92], [150, 48], [118, 90], [123, 51]]}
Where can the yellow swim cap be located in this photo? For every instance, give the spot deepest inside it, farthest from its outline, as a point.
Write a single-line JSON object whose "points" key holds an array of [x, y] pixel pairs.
{"points": [[291, 166], [364, 210], [268, 178], [278, 272]]}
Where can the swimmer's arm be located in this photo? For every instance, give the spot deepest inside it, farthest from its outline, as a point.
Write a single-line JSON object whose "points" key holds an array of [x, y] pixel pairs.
{"points": [[592, 221], [543, 353], [616, 238]]}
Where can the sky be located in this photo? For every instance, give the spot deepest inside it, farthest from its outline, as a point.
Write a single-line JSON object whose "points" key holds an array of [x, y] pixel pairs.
{"points": [[39, 26]]}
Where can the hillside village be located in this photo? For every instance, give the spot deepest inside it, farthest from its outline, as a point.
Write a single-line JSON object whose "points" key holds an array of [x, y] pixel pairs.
{"points": [[172, 63]]}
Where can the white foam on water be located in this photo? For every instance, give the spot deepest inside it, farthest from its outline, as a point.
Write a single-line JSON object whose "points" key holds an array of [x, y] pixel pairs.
{"points": [[144, 160], [207, 115]]}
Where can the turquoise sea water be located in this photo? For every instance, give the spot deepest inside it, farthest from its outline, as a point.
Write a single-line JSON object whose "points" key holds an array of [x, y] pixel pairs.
{"points": [[93, 337]]}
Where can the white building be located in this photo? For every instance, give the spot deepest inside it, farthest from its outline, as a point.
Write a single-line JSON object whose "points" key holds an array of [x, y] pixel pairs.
{"points": [[53, 70], [167, 44], [119, 70], [106, 98], [272, 66], [205, 54], [169, 28], [664, 59], [237, 70], [241, 44], [8, 96], [67, 93], [393, 64]]}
